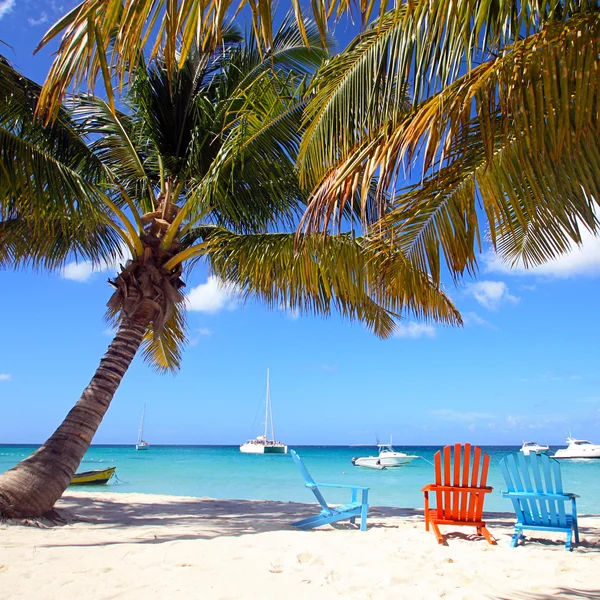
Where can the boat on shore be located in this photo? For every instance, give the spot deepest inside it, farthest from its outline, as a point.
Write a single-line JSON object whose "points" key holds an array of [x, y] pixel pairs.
{"points": [[141, 444], [578, 449], [534, 448], [387, 457], [262, 444], [97, 477]]}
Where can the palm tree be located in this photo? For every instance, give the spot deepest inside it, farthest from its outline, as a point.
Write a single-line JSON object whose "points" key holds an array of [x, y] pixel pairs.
{"points": [[195, 164], [503, 113]]}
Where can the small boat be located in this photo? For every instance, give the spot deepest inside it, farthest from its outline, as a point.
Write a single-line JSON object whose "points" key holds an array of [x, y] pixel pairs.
{"points": [[387, 457], [261, 444], [93, 477], [141, 444], [369, 465], [578, 449], [533, 448]]}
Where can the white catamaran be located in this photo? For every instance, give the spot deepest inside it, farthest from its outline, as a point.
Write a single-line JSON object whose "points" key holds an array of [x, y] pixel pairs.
{"points": [[263, 445], [141, 444]]}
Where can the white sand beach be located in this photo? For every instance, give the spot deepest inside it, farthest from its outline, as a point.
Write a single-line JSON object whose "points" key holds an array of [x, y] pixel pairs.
{"points": [[149, 546]]}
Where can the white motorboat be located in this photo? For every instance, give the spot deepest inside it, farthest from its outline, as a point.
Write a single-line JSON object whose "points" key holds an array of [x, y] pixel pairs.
{"points": [[141, 443], [578, 449], [534, 448], [387, 457], [262, 444]]}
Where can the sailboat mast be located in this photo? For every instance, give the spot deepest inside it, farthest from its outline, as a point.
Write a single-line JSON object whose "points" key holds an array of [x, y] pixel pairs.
{"points": [[271, 416], [267, 405], [141, 431]]}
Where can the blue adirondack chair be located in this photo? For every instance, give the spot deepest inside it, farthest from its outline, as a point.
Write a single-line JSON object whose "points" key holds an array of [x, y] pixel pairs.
{"points": [[535, 488], [328, 514]]}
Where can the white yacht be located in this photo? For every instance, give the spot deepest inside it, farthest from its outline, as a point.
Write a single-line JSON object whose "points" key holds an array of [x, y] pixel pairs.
{"points": [[387, 457], [534, 448], [262, 444], [578, 449]]}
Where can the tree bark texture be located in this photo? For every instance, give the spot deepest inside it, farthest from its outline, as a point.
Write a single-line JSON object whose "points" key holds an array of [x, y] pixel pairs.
{"points": [[31, 488]]}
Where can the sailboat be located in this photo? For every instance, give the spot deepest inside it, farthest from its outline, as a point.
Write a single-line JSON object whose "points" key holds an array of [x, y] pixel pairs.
{"points": [[141, 444], [262, 444]]}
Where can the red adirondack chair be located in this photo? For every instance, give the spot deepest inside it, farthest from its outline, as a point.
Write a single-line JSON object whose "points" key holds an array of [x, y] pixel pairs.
{"points": [[460, 489]]}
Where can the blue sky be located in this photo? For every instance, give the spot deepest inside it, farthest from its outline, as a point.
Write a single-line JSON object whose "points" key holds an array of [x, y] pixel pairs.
{"points": [[523, 367]]}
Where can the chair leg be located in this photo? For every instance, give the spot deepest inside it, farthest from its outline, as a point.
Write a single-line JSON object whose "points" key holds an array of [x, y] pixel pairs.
{"points": [[364, 510], [426, 511], [568, 547], [576, 528], [487, 535], [438, 533], [516, 537]]}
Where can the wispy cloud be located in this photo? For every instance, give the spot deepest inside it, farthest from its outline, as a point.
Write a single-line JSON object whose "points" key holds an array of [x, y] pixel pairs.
{"points": [[6, 6], [414, 330], [5, 377], [472, 318], [199, 333], [581, 260], [33, 22], [212, 296], [491, 294]]}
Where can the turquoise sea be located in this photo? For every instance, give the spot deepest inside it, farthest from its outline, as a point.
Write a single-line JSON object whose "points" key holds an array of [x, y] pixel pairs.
{"points": [[224, 472]]}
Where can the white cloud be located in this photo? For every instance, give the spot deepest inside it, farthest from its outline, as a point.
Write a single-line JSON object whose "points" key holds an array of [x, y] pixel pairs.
{"points": [[414, 330], [84, 270], [472, 318], [491, 294], [203, 332], [582, 260], [6, 6], [43, 18], [212, 296], [78, 271], [5, 377]]}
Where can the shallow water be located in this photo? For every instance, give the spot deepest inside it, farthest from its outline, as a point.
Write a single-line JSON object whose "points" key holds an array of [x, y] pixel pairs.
{"points": [[224, 472]]}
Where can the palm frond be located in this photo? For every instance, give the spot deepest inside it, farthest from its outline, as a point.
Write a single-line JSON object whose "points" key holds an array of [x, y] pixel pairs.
{"points": [[119, 146], [51, 184], [349, 90], [252, 183], [162, 349], [520, 130], [325, 272]]}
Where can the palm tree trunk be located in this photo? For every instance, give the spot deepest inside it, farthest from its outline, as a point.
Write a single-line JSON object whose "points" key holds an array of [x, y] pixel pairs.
{"points": [[32, 487]]}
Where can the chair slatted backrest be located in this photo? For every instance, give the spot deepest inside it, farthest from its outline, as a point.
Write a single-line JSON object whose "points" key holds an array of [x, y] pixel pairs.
{"points": [[310, 482], [535, 474], [460, 467]]}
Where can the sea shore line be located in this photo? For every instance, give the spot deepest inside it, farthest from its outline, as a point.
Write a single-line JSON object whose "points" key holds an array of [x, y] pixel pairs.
{"points": [[149, 546]]}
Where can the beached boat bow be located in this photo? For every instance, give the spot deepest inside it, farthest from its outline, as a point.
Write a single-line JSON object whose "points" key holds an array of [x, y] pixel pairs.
{"points": [[99, 476]]}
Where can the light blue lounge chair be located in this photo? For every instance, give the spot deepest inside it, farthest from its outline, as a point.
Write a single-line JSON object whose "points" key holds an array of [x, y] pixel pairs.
{"points": [[535, 488], [356, 508]]}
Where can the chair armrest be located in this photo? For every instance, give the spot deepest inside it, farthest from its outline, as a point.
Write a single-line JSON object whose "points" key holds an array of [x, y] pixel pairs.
{"points": [[449, 488], [544, 496], [341, 485]]}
